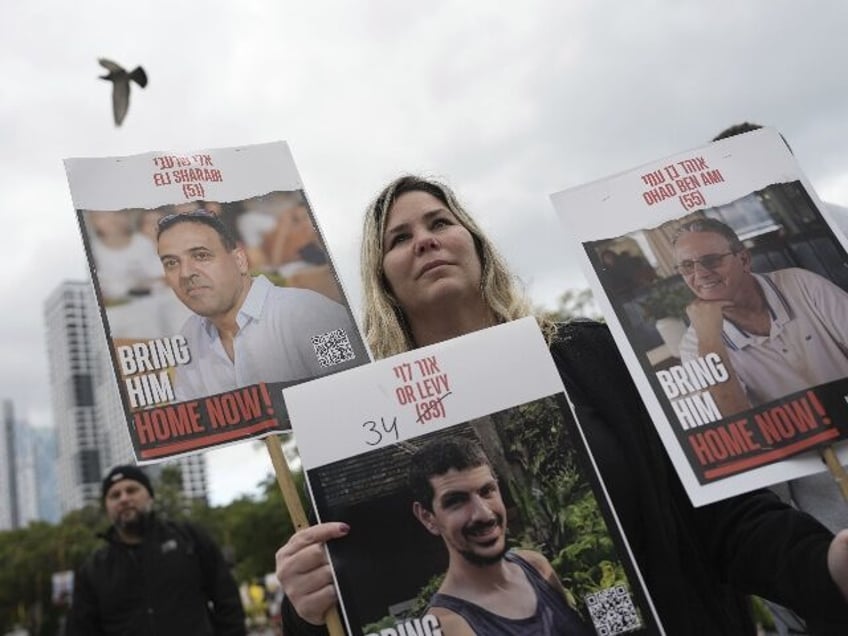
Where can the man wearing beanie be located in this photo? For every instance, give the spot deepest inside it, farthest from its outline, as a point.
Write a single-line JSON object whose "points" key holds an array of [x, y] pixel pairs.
{"points": [[153, 577]]}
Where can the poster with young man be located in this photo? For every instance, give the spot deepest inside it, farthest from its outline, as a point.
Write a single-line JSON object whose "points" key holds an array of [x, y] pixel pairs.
{"points": [[453, 472], [725, 289], [215, 290]]}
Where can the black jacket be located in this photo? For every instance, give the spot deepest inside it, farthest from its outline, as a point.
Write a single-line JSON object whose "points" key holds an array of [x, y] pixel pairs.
{"points": [[698, 563], [173, 583]]}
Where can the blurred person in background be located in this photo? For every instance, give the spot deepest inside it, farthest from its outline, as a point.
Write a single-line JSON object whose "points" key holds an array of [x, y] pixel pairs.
{"points": [[153, 577]]}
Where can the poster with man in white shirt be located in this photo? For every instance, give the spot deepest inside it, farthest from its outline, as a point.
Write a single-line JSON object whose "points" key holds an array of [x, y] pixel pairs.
{"points": [[215, 290], [736, 332]]}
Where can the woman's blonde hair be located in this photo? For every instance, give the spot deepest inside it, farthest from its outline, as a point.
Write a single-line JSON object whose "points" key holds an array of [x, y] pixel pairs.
{"points": [[386, 329]]}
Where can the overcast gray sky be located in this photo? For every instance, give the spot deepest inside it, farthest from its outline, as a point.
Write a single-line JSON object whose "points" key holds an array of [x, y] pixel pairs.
{"points": [[508, 102]]}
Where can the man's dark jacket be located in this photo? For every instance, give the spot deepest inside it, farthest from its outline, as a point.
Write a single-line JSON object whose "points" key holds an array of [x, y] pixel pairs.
{"points": [[175, 582]]}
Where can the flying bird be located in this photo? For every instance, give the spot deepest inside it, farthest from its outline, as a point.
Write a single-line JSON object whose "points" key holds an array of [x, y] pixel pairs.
{"points": [[121, 86]]}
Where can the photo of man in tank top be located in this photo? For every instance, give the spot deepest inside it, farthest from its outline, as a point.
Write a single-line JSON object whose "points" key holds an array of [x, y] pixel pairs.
{"points": [[487, 589]]}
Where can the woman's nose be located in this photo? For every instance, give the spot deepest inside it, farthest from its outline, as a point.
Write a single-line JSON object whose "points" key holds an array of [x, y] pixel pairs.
{"points": [[424, 243]]}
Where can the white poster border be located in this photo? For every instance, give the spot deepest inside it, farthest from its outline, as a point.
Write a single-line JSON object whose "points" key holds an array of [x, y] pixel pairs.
{"points": [[748, 163]]}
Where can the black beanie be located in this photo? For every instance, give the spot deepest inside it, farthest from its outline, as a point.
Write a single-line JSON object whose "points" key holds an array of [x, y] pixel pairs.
{"points": [[126, 472]]}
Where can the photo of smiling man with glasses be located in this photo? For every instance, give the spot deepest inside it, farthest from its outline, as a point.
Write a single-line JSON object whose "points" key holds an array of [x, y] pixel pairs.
{"points": [[781, 332]]}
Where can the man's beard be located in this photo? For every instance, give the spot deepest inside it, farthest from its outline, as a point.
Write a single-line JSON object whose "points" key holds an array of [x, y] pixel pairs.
{"points": [[483, 560], [134, 525]]}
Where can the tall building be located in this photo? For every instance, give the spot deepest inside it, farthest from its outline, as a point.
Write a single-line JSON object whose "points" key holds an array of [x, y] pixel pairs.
{"points": [[46, 482], [28, 510], [18, 487], [87, 408], [74, 341], [8, 471]]}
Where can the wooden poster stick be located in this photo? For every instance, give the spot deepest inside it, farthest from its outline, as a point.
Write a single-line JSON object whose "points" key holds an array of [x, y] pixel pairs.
{"points": [[292, 499], [836, 469]]}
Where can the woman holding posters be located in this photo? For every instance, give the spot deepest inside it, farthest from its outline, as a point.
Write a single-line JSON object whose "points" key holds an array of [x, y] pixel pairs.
{"points": [[430, 274]]}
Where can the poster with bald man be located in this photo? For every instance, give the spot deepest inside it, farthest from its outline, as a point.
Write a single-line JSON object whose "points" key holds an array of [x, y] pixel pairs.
{"points": [[215, 290], [727, 292]]}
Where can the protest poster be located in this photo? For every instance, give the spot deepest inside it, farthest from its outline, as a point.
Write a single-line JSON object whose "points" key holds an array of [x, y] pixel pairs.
{"points": [[537, 477], [725, 289], [62, 587], [215, 290]]}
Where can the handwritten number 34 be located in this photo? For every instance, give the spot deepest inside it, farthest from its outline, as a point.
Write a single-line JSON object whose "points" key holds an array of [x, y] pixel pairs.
{"points": [[378, 430]]}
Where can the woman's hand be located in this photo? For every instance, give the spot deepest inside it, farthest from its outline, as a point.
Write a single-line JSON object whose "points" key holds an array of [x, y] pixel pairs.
{"points": [[304, 572], [837, 561]]}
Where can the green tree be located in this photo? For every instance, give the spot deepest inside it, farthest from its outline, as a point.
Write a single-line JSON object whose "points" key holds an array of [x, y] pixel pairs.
{"points": [[170, 501], [249, 530], [256, 528], [562, 517], [574, 303], [30, 556]]}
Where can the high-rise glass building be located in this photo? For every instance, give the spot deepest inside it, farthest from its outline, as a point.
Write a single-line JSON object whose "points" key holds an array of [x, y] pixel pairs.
{"points": [[19, 486], [90, 422]]}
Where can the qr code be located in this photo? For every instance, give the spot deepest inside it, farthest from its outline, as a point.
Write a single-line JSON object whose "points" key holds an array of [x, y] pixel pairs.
{"points": [[612, 611], [332, 348]]}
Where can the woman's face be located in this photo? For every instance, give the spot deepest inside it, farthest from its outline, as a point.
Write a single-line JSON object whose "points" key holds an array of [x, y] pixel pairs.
{"points": [[428, 256]]}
